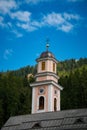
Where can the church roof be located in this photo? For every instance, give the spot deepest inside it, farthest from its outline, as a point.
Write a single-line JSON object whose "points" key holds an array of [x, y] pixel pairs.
{"points": [[60, 120], [46, 54]]}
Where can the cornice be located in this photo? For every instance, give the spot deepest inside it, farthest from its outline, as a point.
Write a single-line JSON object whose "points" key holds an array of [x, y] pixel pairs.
{"points": [[46, 74], [46, 82], [47, 58]]}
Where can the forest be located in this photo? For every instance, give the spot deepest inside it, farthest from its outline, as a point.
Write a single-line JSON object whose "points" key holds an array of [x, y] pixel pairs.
{"points": [[15, 90]]}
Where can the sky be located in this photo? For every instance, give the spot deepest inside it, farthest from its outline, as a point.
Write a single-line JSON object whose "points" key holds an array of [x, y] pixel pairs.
{"points": [[25, 26]]}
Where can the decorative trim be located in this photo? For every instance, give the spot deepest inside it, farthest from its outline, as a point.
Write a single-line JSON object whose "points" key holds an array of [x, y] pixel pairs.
{"points": [[33, 100], [40, 83], [46, 74], [48, 58], [50, 96], [43, 91], [59, 100]]}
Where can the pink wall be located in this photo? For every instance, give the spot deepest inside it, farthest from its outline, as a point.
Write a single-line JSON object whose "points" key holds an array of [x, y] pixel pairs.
{"points": [[37, 95], [48, 66], [42, 78]]}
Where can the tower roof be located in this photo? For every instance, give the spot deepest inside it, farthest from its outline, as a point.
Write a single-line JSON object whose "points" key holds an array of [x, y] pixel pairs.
{"points": [[46, 54]]}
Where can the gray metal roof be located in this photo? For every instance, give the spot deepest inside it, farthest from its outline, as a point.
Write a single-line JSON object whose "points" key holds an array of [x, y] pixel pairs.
{"points": [[60, 120], [46, 54]]}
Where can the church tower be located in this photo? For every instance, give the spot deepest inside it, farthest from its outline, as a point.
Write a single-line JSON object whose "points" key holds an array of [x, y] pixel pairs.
{"points": [[46, 90]]}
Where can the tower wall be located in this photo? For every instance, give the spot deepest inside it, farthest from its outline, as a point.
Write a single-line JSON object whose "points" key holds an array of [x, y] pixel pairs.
{"points": [[45, 90], [49, 96], [48, 66], [43, 78]]}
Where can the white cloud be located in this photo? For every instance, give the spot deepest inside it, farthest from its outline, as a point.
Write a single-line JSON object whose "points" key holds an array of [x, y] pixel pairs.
{"points": [[75, 0], [32, 1], [1, 21], [61, 22], [7, 5], [23, 20], [37, 1], [53, 19], [3, 24], [7, 53], [37, 24], [21, 15], [26, 26], [71, 16], [66, 28], [9, 26], [18, 34]]}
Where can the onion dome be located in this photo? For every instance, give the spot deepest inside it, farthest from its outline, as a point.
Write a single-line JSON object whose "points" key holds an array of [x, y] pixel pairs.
{"points": [[46, 54]]}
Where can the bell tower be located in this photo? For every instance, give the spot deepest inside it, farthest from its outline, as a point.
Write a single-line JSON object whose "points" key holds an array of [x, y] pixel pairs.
{"points": [[46, 90]]}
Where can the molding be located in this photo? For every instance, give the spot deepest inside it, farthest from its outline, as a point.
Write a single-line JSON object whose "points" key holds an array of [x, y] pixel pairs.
{"points": [[33, 100], [46, 74], [46, 82], [47, 58], [58, 101], [50, 98]]}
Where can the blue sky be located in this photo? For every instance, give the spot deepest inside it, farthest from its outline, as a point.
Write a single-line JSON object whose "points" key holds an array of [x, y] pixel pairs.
{"points": [[26, 24]]}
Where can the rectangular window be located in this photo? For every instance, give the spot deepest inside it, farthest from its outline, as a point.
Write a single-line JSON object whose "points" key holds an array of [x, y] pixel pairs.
{"points": [[54, 67], [43, 65]]}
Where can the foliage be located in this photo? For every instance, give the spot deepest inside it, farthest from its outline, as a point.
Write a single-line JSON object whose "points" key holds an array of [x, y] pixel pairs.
{"points": [[15, 96], [15, 91], [64, 67], [22, 72], [74, 94]]}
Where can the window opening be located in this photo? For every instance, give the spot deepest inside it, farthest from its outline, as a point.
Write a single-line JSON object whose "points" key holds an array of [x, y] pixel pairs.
{"points": [[43, 65], [41, 103], [36, 125], [79, 121], [55, 104], [54, 67], [55, 91]]}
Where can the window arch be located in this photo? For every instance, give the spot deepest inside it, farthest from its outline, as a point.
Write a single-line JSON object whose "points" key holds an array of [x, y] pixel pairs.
{"points": [[41, 103], [55, 104]]}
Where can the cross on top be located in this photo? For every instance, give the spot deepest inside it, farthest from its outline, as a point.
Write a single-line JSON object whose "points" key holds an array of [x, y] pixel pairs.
{"points": [[47, 44]]}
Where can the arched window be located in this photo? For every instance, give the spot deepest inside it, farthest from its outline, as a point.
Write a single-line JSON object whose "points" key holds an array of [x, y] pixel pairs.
{"points": [[41, 103], [53, 67], [55, 104], [43, 65]]}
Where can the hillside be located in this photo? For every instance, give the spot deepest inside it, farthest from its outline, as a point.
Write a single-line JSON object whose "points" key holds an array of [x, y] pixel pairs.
{"points": [[63, 67], [15, 91]]}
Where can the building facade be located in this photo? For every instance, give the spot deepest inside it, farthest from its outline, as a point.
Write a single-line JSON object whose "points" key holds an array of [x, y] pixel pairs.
{"points": [[46, 90], [46, 98]]}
